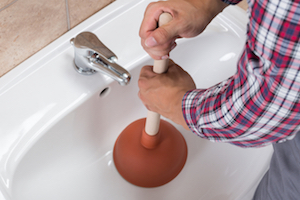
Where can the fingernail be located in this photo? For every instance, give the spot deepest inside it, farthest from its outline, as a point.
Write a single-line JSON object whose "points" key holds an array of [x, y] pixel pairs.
{"points": [[150, 42], [164, 57]]}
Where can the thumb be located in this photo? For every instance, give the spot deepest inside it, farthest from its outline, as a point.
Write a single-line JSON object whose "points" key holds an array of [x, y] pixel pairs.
{"points": [[162, 36]]}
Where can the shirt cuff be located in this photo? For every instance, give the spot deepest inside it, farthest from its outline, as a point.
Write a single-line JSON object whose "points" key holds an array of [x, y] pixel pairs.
{"points": [[189, 108]]}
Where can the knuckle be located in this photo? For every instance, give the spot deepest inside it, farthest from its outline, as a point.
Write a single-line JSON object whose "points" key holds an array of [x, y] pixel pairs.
{"points": [[141, 84], [162, 36]]}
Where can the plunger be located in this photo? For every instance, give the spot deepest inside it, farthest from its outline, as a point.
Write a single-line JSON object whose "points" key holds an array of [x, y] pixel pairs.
{"points": [[150, 152]]}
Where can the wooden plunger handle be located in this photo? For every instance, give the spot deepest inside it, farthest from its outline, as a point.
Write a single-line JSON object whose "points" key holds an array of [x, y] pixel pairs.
{"points": [[159, 67]]}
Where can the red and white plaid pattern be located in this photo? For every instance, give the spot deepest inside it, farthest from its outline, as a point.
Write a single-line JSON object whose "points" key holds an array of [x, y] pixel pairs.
{"points": [[260, 104]]}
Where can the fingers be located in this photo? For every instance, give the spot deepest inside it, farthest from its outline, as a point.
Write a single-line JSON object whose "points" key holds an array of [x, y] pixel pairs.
{"points": [[151, 18], [160, 51], [189, 19], [150, 83], [146, 75], [157, 41], [144, 101], [162, 93]]}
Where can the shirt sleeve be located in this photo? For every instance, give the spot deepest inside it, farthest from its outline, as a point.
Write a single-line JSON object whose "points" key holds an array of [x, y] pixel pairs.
{"points": [[233, 2], [260, 104]]}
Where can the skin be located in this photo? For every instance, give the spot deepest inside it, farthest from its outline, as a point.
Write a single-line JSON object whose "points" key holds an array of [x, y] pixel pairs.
{"points": [[190, 18], [166, 91], [163, 93]]}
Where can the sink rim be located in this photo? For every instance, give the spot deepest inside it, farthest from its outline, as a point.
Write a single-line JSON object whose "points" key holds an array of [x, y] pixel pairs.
{"points": [[26, 70]]}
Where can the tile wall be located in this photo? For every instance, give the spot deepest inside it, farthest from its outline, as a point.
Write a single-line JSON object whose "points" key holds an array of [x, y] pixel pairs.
{"points": [[26, 26]]}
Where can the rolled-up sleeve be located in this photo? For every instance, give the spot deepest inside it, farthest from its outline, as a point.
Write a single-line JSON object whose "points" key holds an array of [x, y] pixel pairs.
{"points": [[260, 104], [233, 2]]}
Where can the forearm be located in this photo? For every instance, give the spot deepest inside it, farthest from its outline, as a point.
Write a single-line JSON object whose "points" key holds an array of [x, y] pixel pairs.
{"points": [[249, 109], [260, 104], [208, 8]]}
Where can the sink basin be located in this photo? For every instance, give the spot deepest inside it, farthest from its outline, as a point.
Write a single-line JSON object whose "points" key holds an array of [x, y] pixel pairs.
{"points": [[58, 127]]}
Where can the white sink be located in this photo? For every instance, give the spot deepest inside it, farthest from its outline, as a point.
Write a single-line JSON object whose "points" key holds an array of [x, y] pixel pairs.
{"points": [[58, 127]]}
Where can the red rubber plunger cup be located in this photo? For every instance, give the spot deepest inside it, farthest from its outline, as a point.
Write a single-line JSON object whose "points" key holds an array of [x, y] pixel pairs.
{"points": [[150, 152]]}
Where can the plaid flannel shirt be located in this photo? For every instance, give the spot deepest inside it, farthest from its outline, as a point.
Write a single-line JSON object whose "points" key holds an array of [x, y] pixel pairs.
{"points": [[260, 104]]}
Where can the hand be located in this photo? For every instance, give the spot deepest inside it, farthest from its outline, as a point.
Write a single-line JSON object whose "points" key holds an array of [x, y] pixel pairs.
{"points": [[163, 93], [190, 18]]}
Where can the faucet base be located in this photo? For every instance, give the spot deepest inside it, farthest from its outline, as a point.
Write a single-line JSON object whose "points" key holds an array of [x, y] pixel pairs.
{"points": [[92, 56], [84, 71]]}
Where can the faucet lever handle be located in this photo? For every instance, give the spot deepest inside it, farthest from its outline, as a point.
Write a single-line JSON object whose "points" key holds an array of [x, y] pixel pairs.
{"points": [[91, 55], [88, 40]]}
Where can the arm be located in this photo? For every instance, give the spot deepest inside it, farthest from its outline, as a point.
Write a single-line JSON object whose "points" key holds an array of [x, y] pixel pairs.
{"points": [[163, 93], [260, 104], [190, 17]]}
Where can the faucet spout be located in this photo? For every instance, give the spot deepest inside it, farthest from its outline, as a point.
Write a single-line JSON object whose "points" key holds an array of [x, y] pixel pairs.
{"points": [[92, 56]]}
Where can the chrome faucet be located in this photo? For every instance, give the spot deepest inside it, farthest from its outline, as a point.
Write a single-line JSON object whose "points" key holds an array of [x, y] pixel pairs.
{"points": [[92, 56]]}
